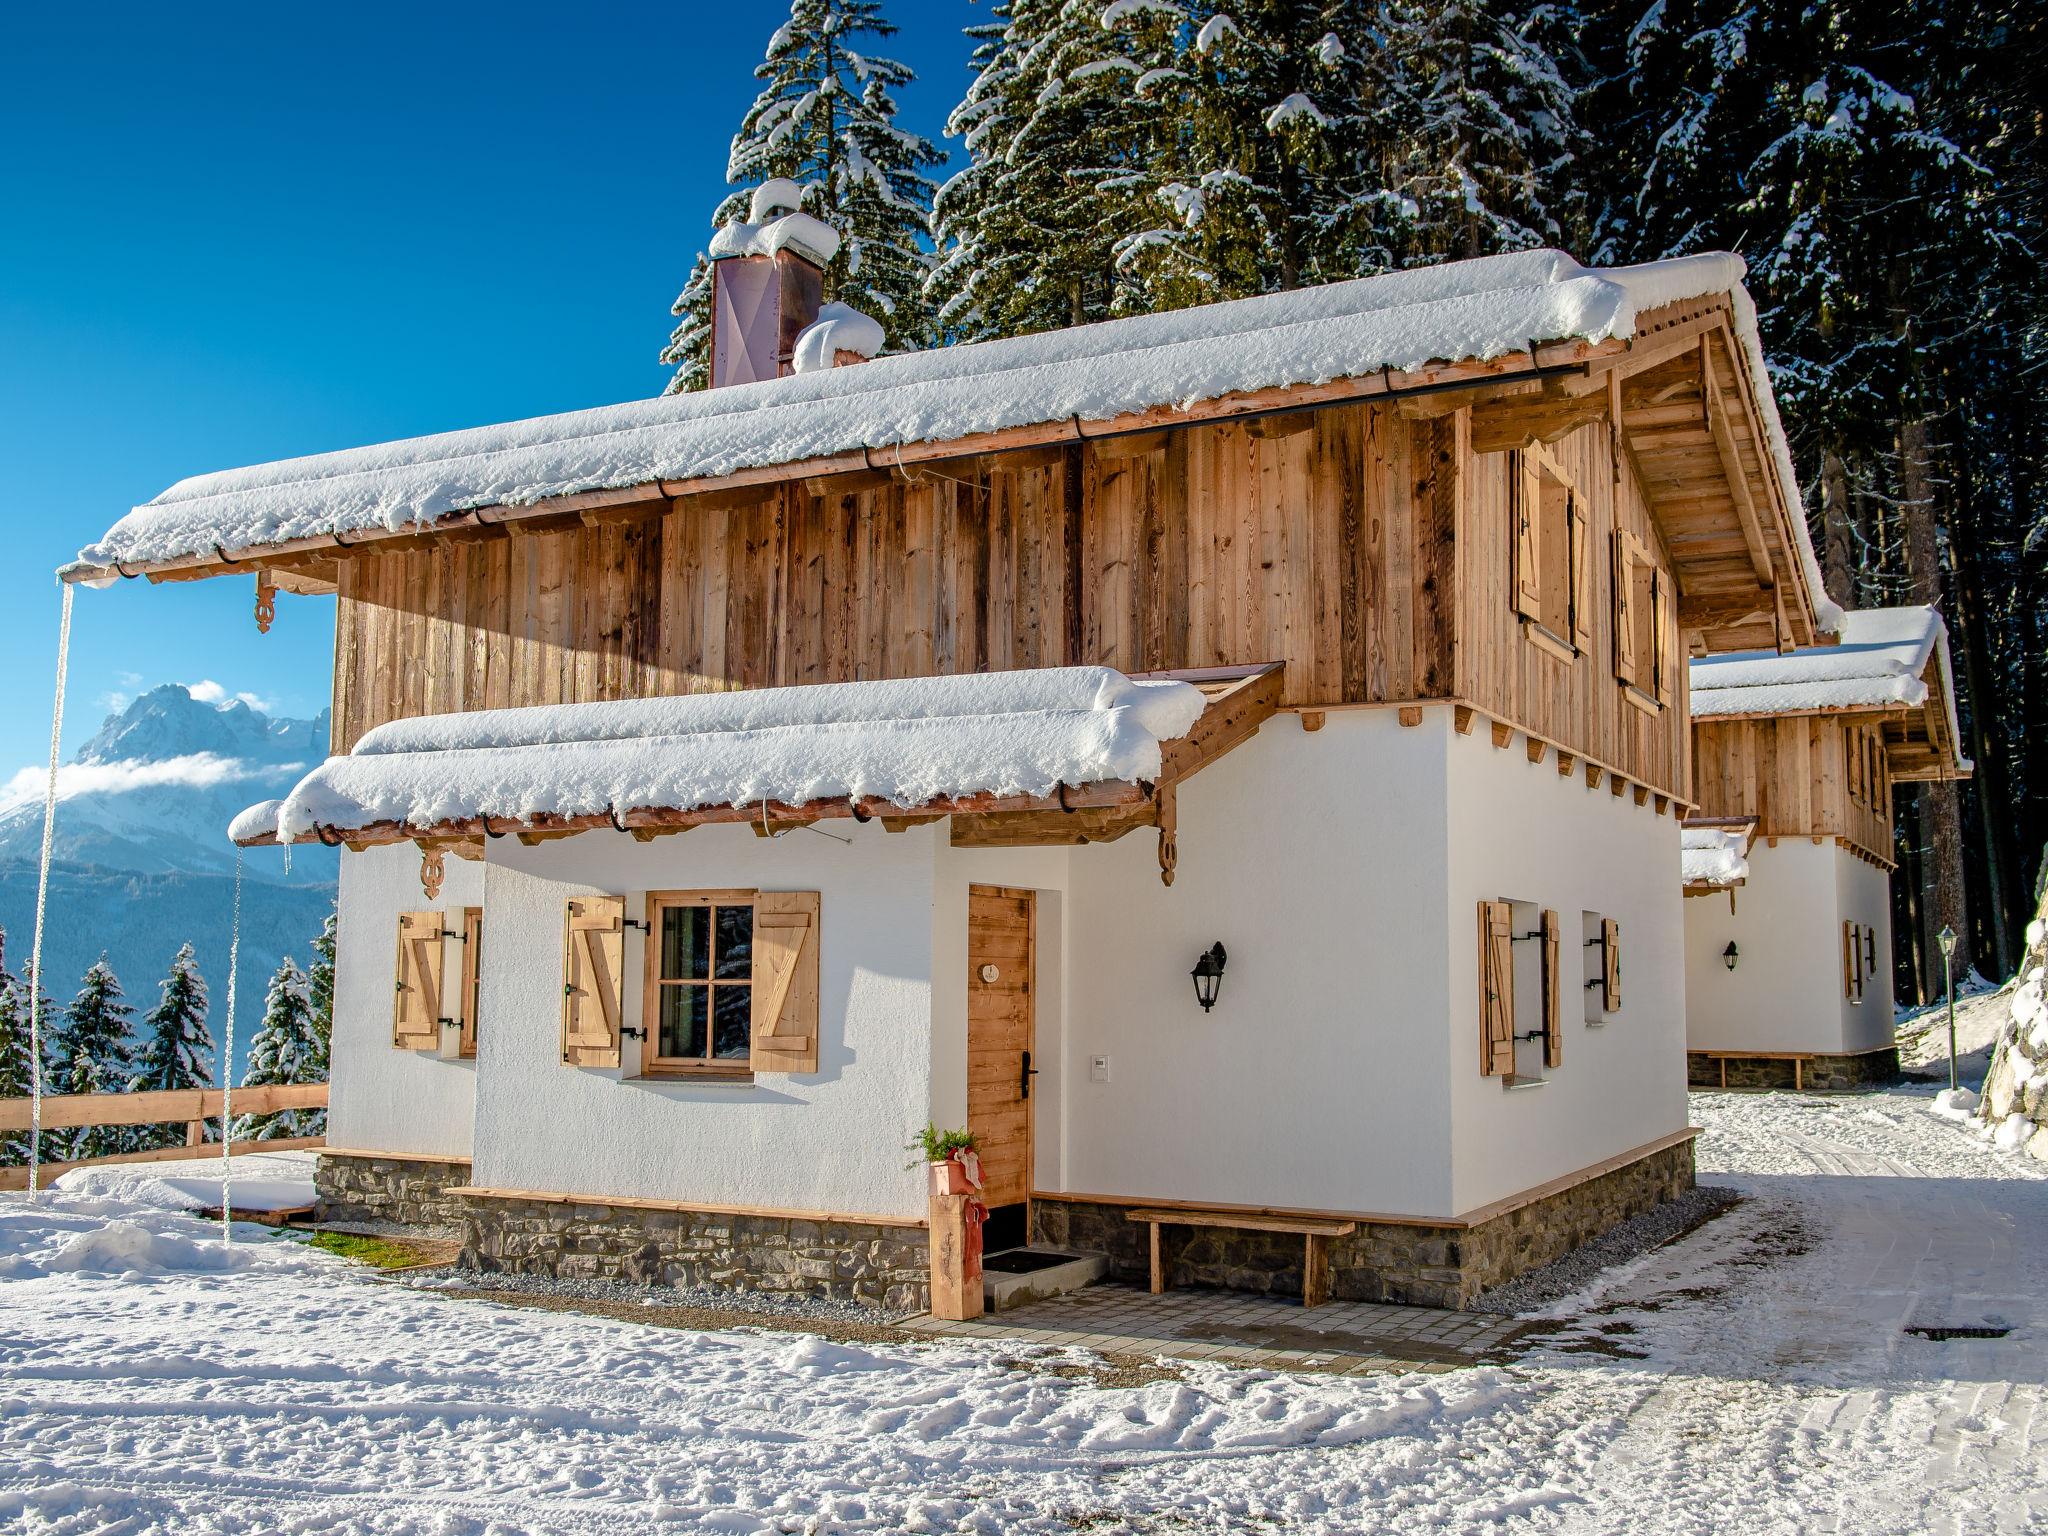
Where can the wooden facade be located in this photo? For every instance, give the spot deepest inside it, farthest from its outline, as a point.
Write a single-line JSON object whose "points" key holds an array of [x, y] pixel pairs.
{"points": [[1817, 776], [1366, 546]]}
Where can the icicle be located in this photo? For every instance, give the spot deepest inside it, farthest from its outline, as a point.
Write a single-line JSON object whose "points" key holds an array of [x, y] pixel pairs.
{"points": [[227, 1064], [35, 957]]}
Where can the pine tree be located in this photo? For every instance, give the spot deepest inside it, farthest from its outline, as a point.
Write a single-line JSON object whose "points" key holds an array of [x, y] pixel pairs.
{"points": [[1061, 127], [286, 1049], [320, 997], [177, 1048], [91, 1053], [826, 119], [1268, 149], [1489, 150]]}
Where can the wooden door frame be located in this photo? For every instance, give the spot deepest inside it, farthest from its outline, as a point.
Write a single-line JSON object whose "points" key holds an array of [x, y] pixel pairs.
{"points": [[1029, 896]]}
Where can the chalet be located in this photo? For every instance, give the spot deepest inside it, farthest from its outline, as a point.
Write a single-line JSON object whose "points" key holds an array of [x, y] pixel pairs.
{"points": [[734, 783], [1788, 984]]}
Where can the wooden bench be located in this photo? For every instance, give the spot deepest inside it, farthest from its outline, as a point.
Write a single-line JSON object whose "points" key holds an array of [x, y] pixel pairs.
{"points": [[1315, 1230]]}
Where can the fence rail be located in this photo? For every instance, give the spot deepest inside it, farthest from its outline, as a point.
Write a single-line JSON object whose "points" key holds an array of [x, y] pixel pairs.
{"points": [[194, 1106]]}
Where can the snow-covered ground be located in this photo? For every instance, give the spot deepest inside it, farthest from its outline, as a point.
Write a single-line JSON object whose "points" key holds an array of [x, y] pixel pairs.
{"points": [[1753, 1376]]}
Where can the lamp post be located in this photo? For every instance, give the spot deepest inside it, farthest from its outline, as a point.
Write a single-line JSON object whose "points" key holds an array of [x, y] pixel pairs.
{"points": [[1947, 939]]}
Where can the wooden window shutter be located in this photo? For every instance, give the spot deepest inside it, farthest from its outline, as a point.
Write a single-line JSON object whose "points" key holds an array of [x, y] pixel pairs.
{"points": [[472, 976], [1525, 502], [1553, 1007], [416, 1015], [593, 964], [1496, 988], [1581, 540], [1624, 610], [1855, 745], [1856, 960], [1661, 635], [786, 938], [1848, 960], [1610, 965]]}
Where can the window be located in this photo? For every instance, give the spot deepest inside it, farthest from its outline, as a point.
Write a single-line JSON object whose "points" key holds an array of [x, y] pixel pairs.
{"points": [[472, 975], [1552, 570], [1519, 978], [699, 1014], [1644, 660]]}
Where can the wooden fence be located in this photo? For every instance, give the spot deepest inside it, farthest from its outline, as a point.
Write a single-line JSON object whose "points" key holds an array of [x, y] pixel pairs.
{"points": [[193, 1106]]}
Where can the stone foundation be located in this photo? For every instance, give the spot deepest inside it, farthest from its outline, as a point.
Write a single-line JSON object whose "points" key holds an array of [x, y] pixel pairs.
{"points": [[1818, 1073], [407, 1190], [1437, 1266], [885, 1266]]}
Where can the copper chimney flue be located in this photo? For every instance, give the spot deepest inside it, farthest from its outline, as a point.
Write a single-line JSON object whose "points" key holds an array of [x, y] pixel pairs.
{"points": [[767, 282]]}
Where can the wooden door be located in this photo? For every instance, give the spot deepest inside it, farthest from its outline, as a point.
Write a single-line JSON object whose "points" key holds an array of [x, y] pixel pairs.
{"points": [[1001, 962]]}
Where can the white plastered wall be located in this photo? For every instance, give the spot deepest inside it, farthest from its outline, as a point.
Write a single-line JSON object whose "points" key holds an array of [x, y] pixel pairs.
{"points": [[1319, 1079], [1786, 993], [833, 1141], [1520, 832], [382, 1099]]}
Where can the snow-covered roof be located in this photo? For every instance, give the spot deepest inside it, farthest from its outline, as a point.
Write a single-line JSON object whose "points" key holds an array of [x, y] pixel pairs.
{"points": [[1714, 856], [1882, 663], [1484, 309], [906, 743]]}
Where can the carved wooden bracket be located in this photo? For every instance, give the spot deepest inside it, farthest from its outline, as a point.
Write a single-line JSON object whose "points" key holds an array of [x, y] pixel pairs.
{"points": [[266, 602], [433, 870]]}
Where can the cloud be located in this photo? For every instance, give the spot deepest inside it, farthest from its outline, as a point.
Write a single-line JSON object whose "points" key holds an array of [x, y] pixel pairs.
{"points": [[207, 691], [194, 770]]}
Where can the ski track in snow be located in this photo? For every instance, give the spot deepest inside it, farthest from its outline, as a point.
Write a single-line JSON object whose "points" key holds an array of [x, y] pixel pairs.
{"points": [[1750, 1377]]}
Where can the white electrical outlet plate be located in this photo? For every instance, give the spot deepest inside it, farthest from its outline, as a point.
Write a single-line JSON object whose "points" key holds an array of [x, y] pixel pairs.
{"points": [[1098, 1069]]}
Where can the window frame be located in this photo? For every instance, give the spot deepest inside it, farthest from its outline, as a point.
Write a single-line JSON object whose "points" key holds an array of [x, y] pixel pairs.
{"points": [[652, 1063]]}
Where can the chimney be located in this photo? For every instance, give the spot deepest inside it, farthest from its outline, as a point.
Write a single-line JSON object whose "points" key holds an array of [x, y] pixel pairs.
{"points": [[767, 283]]}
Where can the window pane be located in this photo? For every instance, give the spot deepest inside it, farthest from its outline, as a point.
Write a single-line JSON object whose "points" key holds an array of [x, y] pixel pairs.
{"points": [[732, 1014], [682, 1021], [685, 943], [735, 943]]}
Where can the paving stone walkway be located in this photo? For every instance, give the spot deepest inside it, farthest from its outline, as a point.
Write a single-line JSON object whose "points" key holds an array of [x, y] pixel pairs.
{"points": [[1340, 1337]]}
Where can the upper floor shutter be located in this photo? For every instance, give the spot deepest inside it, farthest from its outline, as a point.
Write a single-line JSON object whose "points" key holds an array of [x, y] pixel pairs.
{"points": [[785, 1020], [1610, 965], [1581, 545], [416, 1013], [593, 965], [1663, 639], [1525, 503], [1624, 610]]}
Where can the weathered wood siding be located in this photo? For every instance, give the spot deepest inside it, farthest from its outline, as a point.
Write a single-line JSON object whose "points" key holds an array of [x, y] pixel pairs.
{"points": [[1354, 544], [1577, 704], [1792, 774]]}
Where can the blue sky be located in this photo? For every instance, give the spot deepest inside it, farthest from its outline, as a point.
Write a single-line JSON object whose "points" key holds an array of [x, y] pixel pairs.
{"points": [[234, 233]]}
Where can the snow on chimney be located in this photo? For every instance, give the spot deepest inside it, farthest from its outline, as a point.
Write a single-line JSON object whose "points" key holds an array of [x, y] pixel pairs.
{"points": [[767, 282], [838, 338]]}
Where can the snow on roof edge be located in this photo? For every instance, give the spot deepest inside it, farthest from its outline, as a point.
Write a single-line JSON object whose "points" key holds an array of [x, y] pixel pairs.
{"points": [[1478, 309]]}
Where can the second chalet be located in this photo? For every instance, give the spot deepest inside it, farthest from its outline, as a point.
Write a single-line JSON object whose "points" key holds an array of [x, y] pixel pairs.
{"points": [[1231, 761]]}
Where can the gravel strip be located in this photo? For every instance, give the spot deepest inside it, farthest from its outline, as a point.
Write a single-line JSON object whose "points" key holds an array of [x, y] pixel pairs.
{"points": [[1539, 1288], [699, 1299]]}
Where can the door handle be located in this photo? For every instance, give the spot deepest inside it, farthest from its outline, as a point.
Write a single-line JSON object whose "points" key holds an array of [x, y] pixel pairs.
{"points": [[1024, 1077]]}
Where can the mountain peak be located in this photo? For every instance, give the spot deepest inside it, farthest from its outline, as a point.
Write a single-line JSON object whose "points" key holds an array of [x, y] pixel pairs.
{"points": [[168, 722]]}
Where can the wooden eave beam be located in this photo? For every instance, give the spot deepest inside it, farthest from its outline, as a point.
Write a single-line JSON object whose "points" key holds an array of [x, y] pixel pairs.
{"points": [[1235, 712], [1738, 478]]}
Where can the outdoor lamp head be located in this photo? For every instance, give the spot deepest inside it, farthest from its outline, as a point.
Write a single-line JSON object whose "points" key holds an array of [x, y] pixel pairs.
{"points": [[1947, 937], [1208, 975], [1731, 954]]}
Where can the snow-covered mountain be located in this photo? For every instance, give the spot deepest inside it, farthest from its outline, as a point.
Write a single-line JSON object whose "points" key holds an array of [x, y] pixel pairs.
{"points": [[142, 863]]}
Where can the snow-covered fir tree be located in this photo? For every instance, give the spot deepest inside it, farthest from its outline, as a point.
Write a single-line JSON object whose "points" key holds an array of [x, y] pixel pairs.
{"points": [[1486, 142], [1061, 126], [826, 119], [16, 1057], [177, 1047], [286, 1049], [1269, 151], [320, 989], [91, 1053]]}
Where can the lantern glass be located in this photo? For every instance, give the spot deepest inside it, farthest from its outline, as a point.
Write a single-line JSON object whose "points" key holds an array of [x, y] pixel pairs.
{"points": [[1731, 954], [1208, 975]]}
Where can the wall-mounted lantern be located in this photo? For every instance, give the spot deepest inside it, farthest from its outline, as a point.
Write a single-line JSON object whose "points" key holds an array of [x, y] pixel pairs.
{"points": [[1730, 955], [1208, 974]]}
